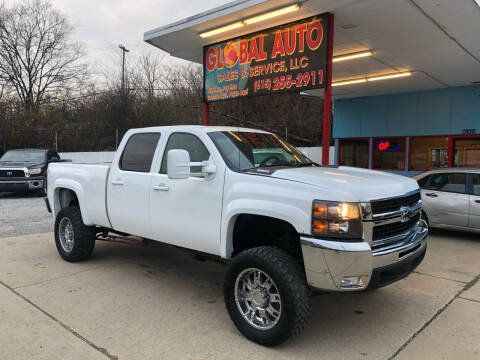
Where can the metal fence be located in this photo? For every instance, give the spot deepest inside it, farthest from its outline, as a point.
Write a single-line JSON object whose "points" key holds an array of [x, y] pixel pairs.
{"points": [[103, 139]]}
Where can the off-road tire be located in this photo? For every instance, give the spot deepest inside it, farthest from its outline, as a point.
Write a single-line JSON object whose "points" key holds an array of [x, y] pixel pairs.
{"points": [[290, 280], [84, 236]]}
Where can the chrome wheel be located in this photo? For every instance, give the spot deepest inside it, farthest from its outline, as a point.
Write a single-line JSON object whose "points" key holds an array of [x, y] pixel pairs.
{"points": [[258, 299], [66, 234]]}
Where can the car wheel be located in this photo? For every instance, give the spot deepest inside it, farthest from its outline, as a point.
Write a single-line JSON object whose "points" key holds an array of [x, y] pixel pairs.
{"points": [[74, 240], [266, 295]]}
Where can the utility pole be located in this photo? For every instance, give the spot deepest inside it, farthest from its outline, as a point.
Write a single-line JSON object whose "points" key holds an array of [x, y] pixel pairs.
{"points": [[124, 50]]}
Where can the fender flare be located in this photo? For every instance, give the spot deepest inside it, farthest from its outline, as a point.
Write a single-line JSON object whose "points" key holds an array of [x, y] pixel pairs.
{"points": [[281, 211], [74, 186]]}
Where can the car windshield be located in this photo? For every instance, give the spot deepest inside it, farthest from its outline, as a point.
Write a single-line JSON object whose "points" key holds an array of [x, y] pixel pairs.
{"points": [[23, 156], [243, 150]]}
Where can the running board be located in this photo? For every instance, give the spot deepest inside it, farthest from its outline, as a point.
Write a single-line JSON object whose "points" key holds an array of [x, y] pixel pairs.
{"points": [[130, 240]]}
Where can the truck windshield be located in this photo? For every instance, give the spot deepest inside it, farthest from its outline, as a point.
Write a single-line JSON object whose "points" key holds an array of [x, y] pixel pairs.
{"points": [[23, 156], [249, 150]]}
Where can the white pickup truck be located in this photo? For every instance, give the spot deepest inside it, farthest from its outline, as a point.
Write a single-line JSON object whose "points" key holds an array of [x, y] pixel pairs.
{"points": [[284, 224]]}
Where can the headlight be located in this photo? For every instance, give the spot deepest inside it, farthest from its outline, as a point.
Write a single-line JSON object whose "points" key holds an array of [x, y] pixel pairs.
{"points": [[35, 171], [336, 219]]}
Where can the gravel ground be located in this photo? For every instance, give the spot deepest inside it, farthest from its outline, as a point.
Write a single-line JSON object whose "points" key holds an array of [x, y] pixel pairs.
{"points": [[22, 214]]}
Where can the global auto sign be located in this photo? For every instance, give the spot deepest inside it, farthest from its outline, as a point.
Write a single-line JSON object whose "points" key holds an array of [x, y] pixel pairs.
{"points": [[290, 57]]}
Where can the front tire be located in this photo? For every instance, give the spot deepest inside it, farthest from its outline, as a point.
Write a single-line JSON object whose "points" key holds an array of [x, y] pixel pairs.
{"points": [[266, 295], [74, 240], [43, 191]]}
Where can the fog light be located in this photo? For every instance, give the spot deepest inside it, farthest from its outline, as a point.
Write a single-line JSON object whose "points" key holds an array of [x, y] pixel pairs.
{"points": [[351, 282]]}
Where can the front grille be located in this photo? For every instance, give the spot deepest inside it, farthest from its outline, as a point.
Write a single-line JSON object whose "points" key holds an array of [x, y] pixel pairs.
{"points": [[12, 173], [392, 229], [384, 206]]}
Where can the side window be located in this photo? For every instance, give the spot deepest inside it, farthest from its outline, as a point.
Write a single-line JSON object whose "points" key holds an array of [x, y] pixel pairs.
{"points": [[423, 181], [449, 182], [52, 155], [189, 142], [476, 184], [139, 151]]}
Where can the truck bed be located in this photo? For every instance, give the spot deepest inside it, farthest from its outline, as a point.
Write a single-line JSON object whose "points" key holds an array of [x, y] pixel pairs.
{"points": [[88, 182]]}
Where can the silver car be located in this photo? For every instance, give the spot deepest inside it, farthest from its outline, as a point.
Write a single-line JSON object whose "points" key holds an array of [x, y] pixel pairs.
{"points": [[451, 198]]}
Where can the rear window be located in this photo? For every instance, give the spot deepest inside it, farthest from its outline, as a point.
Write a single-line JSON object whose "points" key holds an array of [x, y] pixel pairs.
{"points": [[139, 151], [476, 184]]}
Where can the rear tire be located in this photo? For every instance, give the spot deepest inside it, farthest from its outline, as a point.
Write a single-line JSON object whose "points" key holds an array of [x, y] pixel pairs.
{"points": [[74, 240], [266, 295]]}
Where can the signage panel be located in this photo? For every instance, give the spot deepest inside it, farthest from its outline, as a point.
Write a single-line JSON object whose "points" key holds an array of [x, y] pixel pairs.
{"points": [[289, 57]]}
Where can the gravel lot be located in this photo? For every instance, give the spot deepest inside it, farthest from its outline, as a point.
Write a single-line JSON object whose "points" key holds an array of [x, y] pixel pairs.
{"points": [[23, 214]]}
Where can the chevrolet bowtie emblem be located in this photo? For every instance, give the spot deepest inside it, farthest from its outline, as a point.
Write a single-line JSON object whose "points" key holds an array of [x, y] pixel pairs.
{"points": [[405, 213]]}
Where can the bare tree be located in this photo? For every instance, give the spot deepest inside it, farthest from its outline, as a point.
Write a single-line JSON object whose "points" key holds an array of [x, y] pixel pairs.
{"points": [[38, 58], [147, 76]]}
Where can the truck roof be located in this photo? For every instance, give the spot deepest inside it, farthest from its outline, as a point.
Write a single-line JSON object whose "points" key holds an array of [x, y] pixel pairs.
{"points": [[447, 170], [200, 127]]}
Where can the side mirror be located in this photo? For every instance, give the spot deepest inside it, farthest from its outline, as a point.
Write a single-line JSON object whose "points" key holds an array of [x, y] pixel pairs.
{"points": [[208, 168], [178, 164]]}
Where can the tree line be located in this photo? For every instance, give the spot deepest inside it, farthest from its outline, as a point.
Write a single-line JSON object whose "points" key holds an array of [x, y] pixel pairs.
{"points": [[50, 98]]}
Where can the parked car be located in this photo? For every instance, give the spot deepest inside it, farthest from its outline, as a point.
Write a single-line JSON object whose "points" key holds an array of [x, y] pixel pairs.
{"points": [[282, 223], [25, 170], [451, 198]]}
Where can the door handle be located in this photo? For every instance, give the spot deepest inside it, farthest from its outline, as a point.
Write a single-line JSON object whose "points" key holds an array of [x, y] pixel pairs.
{"points": [[117, 182], [477, 201], [431, 195], [161, 187]]}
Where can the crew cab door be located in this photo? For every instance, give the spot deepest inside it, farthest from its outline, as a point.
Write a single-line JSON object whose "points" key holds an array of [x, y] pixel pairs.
{"points": [[128, 185], [474, 214], [188, 212], [446, 198]]}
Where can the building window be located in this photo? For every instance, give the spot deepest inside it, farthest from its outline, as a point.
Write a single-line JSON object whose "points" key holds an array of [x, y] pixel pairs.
{"points": [[389, 153], [467, 152], [428, 153], [353, 153]]}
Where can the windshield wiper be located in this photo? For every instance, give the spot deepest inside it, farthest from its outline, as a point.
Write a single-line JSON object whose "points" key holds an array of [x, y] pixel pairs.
{"points": [[308, 164], [267, 166]]}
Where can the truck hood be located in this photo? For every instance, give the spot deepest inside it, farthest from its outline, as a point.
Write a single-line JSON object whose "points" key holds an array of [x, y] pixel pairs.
{"points": [[349, 183], [18, 164]]}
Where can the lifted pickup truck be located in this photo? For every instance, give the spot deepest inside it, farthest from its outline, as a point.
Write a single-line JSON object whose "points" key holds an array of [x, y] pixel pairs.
{"points": [[284, 224]]}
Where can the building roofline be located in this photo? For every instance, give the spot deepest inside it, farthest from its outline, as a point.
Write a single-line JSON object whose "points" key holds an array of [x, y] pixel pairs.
{"points": [[202, 17]]}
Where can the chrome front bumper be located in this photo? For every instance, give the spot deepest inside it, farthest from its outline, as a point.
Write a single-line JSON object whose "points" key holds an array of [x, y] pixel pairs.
{"points": [[348, 266]]}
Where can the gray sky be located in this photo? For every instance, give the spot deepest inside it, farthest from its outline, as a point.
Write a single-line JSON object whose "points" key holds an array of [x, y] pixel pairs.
{"points": [[104, 24]]}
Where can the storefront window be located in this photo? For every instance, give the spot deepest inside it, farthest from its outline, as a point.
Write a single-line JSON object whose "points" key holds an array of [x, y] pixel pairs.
{"points": [[467, 152], [428, 153], [354, 153], [389, 154]]}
